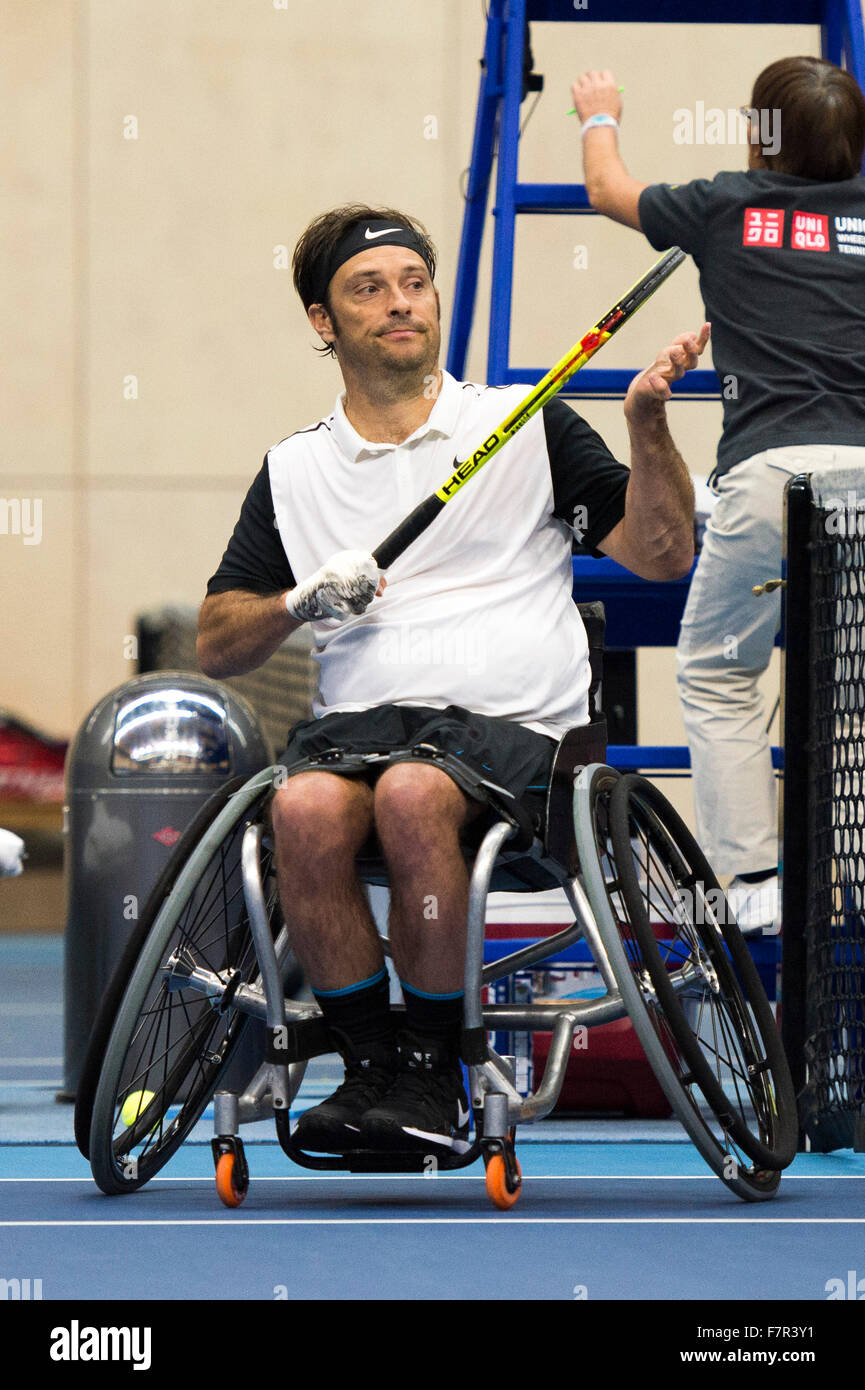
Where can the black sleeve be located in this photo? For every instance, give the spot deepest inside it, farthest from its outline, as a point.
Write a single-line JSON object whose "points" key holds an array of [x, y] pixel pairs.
{"points": [[677, 215], [255, 559], [589, 485]]}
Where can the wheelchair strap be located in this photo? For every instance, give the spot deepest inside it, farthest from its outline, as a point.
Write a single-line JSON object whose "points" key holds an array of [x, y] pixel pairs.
{"points": [[298, 1041], [479, 788]]}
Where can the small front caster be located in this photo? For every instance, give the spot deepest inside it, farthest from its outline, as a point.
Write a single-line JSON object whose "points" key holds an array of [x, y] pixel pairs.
{"points": [[232, 1173], [503, 1174]]}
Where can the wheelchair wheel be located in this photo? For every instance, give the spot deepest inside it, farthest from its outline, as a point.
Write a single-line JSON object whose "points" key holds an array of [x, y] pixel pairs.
{"points": [[169, 1040], [723, 1024], [122, 974], [606, 864]]}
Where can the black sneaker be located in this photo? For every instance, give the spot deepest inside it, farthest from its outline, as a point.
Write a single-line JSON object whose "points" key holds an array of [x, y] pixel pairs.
{"points": [[334, 1125], [426, 1108]]}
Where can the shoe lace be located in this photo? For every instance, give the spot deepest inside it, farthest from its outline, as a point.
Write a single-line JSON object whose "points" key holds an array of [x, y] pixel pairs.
{"points": [[415, 1085], [422, 1084], [364, 1082]]}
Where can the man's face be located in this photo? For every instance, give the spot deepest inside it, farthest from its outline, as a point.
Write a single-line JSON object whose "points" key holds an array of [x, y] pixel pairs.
{"points": [[384, 313]]}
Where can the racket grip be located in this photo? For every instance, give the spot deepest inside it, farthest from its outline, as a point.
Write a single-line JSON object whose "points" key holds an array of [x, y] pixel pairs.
{"points": [[407, 531]]}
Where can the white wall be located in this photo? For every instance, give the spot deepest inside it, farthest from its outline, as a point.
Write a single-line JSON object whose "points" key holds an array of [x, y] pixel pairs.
{"points": [[153, 258]]}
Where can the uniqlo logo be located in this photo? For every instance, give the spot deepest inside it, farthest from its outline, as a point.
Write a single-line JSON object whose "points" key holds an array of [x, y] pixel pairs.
{"points": [[763, 227], [810, 232]]}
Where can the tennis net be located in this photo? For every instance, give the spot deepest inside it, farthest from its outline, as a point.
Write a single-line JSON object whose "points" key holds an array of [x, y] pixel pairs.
{"points": [[823, 807]]}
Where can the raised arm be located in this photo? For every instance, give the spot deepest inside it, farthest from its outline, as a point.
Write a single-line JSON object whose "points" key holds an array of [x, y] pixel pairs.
{"points": [[655, 538], [610, 187]]}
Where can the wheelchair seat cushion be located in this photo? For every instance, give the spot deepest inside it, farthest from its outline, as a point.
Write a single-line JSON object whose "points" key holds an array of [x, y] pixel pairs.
{"points": [[498, 751]]}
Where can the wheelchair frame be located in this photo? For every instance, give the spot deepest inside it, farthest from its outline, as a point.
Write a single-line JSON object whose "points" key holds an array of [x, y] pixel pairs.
{"points": [[295, 1031], [604, 895]]}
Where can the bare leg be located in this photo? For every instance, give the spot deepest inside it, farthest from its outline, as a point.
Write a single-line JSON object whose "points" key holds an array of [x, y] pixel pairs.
{"points": [[419, 812], [320, 822]]}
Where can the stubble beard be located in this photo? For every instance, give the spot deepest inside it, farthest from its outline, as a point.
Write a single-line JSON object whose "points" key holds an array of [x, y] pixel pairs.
{"points": [[393, 376]]}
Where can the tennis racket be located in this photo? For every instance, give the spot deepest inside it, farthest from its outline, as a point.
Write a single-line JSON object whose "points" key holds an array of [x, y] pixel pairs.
{"points": [[425, 512]]}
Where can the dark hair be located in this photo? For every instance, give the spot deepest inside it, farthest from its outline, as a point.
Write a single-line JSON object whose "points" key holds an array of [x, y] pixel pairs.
{"points": [[822, 118], [317, 243]]}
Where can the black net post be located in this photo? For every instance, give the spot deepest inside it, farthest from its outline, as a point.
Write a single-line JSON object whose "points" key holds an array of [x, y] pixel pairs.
{"points": [[832, 1101], [795, 732]]}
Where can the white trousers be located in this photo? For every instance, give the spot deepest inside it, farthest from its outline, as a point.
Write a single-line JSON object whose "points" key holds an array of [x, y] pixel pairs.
{"points": [[725, 645]]}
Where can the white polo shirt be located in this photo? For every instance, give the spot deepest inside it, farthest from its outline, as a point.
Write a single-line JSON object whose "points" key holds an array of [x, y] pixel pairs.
{"points": [[477, 612]]}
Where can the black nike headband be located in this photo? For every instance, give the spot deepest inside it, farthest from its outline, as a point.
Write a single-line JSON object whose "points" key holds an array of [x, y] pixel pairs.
{"points": [[364, 237]]}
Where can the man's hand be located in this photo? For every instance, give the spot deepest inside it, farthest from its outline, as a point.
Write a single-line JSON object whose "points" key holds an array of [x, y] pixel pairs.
{"points": [[596, 94], [346, 583], [655, 538], [648, 392]]}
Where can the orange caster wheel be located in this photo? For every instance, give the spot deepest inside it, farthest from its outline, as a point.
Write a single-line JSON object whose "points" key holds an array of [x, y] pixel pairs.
{"points": [[232, 1177], [503, 1189]]}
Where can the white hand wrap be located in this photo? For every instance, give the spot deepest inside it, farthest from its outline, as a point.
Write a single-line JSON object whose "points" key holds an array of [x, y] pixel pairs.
{"points": [[345, 584]]}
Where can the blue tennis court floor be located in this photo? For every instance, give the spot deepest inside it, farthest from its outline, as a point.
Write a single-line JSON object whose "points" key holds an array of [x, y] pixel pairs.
{"points": [[610, 1210]]}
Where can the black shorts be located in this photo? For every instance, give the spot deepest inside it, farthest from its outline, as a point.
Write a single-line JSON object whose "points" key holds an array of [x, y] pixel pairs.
{"points": [[499, 750]]}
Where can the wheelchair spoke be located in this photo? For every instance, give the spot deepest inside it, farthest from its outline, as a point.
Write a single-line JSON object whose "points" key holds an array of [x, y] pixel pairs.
{"points": [[216, 931], [174, 1041], [206, 890], [213, 905], [725, 1048], [229, 962], [155, 1033], [160, 1070], [697, 1101], [153, 1020], [191, 936], [154, 1059], [713, 1045]]}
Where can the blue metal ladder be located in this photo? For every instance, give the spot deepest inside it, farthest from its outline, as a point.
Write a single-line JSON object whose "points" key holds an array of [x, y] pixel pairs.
{"points": [[497, 123], [505, 80]]}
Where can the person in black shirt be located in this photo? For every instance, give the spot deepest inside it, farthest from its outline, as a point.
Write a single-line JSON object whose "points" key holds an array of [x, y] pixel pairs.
{"points": [[780, 248]]}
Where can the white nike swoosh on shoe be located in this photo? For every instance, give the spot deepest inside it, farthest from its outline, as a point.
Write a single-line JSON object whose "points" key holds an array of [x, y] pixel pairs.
{"points": [[462, 1115], [458, 1145], [371, 236]]}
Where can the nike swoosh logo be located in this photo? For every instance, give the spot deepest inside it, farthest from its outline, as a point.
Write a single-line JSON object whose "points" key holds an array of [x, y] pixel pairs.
{"points": [[459, 1146], [371, 236], [462, 1115]]}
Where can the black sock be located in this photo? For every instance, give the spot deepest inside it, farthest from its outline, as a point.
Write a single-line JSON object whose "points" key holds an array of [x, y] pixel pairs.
{"points": [[437, 1017], [361, 1011], [760, 877]]}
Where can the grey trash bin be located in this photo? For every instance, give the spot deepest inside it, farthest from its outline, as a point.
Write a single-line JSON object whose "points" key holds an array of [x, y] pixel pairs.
{"points": [[144, 761]]}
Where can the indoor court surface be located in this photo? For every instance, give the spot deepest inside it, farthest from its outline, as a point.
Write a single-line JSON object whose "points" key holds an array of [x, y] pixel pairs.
{"points": [[601, 1200], [432, 654]]}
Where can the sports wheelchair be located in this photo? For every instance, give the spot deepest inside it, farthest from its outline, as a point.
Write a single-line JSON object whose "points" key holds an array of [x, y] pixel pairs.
{"points": [[211, 952]]}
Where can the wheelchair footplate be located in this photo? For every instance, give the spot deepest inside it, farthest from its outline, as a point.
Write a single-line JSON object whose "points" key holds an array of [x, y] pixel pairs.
{"points": [[502, 1169], [377, 1160], [503, 1175]]}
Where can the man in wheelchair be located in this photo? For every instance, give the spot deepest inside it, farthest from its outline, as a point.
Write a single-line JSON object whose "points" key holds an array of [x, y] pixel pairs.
{"points": [[464, 665]]}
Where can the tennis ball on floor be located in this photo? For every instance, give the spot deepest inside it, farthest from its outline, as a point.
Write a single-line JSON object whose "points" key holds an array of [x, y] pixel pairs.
{"points": [[134, 1105]]}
